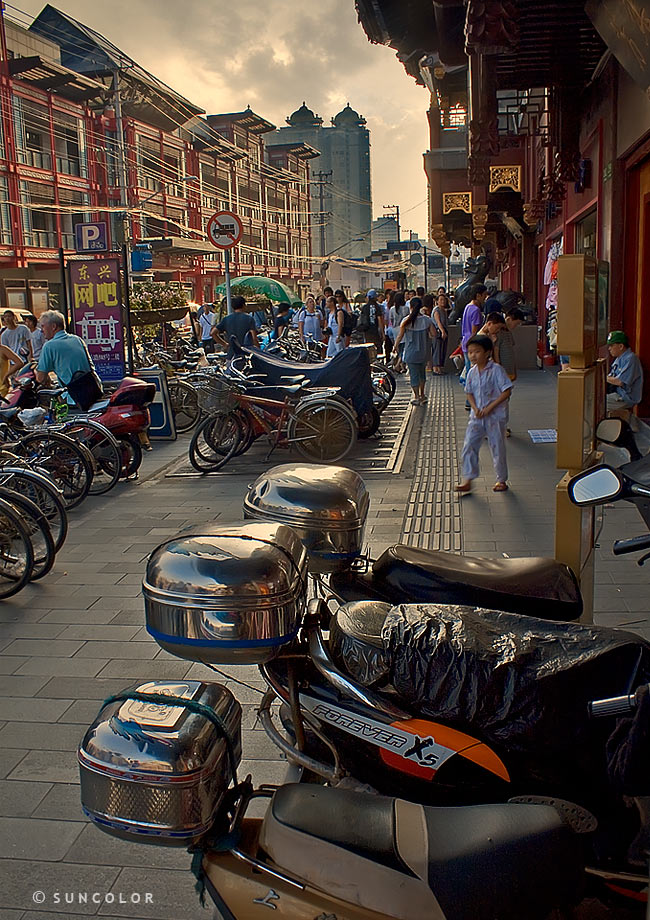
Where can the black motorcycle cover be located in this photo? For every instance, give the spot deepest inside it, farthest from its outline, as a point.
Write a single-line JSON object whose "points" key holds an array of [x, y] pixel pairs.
{"points": [[520, 683], [349, 370]]}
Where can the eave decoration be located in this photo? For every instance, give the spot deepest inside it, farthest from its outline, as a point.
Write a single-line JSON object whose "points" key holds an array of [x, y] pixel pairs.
{"points": [[456, 201], [505, 177]]}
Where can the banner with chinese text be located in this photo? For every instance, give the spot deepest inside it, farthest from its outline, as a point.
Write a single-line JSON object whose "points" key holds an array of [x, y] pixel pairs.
{"points": [[97, 313]]}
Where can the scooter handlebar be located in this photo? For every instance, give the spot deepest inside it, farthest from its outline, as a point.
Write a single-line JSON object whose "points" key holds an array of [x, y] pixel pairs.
{"points": [[614, 706], [633, 545]]}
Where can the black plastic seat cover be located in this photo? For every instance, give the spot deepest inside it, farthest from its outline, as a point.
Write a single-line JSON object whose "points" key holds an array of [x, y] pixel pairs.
{"points": [[484, 861], [535, 586]]}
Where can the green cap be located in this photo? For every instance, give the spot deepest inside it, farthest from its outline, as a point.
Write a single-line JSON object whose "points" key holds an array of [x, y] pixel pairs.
{"points": [[617, 337]]}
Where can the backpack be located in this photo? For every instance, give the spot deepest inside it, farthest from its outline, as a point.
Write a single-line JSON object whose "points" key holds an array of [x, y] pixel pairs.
{"points": [[350, 321]]}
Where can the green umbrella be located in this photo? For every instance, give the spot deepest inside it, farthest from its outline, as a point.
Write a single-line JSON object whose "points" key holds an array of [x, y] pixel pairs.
{"points": [[274, 290]]}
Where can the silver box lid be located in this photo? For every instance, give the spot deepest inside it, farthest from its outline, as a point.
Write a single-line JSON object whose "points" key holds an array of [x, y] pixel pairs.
{"points": [[137, 740], [212, 565], [324, 497]]}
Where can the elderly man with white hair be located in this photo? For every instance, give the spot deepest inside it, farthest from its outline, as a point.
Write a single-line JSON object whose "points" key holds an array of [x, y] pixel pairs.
{"points": [[67, 356]]}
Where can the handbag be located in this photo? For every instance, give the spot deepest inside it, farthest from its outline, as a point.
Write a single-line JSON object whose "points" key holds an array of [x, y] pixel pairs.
{"points": [[85, 387]]}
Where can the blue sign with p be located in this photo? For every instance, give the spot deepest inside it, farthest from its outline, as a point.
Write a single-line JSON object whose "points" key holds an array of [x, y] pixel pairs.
{"points": [[91, 237]]}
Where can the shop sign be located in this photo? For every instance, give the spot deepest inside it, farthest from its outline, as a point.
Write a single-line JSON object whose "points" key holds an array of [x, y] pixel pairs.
{"points": [[97, 313]]}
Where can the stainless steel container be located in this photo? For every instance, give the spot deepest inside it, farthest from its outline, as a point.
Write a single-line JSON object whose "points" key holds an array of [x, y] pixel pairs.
{"points": [[226, 594], [326, 505], [157, 774]]}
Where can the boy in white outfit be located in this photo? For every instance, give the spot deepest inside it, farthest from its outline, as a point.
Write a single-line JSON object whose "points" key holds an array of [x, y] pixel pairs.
{"points": [[488, 389]]}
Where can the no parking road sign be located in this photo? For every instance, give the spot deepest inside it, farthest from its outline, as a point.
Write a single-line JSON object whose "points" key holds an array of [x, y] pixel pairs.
{"points": [[224, 229]]}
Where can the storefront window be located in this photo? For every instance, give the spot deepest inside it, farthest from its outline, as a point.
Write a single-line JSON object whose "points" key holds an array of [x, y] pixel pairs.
{"points": [[586, 235]]}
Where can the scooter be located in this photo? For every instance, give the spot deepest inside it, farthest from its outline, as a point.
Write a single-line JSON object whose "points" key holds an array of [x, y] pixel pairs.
{"points": [[157, 766], [124, 412]]}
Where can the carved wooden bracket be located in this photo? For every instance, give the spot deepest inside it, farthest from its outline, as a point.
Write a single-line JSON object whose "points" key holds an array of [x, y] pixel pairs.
{"points": [[491, 27], [533, 212], [479, 220]]}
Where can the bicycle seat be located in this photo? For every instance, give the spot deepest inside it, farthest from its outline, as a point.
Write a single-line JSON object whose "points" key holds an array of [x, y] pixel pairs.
{"points": [[9, 413], [408, 860], [56, 392], [178, 364], [298, 378], [274, 392]]}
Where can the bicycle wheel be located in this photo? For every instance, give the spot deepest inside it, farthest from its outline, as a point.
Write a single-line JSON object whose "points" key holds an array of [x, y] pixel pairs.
{"points": [[218, 444], [225, 433], [322, 430], [63, 460], [16, 551], [39, 531], [37, 487], [185, 405], [104, 449]]}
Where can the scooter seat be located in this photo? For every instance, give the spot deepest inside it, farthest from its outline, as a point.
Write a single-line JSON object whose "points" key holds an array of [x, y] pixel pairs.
{"points": [[533, 586], [9, 413], [638, 470], [479, 862]]}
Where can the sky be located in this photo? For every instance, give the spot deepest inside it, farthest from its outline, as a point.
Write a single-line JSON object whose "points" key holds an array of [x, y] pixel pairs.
{"points": [[273, 54]]}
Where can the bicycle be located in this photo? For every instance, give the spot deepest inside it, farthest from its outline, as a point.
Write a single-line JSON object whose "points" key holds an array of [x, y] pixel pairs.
{"points": [[69, 464], [16, 551], [35, 486], [320, 425]]}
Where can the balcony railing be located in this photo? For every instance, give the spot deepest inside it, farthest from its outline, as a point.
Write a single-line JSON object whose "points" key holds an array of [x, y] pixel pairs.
{"points": [[37, 158], [41, 239]]}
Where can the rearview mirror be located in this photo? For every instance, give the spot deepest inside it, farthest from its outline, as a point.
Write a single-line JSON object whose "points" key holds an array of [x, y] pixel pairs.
{"points": [[610, 430], [595, 486]]}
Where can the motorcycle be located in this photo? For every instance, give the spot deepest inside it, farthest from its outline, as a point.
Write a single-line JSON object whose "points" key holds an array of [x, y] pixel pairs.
{"points": [[124, 412], [450, 705], [157, 766]]}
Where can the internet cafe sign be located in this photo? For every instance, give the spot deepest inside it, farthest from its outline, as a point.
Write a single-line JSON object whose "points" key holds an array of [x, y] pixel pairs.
{"points": [[97, 313]]}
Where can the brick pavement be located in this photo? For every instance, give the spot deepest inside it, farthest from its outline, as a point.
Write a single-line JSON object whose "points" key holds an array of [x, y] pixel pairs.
{"points": [[77, 636]]}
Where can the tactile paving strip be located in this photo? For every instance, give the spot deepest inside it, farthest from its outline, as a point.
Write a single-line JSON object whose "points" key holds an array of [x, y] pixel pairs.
{"points": [[433, 519]]}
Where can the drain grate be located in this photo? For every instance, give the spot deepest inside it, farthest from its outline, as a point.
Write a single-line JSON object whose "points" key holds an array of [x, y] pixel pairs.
{"points": [[433, 519]]}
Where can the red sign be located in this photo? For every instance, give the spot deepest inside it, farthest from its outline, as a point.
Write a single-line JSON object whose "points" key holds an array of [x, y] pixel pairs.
{"points": [[224, 229], [97, 313]]}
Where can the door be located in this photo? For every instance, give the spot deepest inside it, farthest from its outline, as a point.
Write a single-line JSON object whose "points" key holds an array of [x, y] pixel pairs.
{"points": [[637, 271]]}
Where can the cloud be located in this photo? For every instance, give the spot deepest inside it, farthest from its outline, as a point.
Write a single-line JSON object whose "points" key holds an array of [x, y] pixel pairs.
{"points": [[272, 55]]}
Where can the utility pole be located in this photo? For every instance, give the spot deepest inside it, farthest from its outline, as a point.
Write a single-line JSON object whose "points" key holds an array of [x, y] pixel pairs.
{"points": [[394, 213], [324, 178]]}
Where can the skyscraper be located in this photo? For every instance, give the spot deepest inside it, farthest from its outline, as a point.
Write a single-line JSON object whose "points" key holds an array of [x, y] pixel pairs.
{"points": [[341, 198]]}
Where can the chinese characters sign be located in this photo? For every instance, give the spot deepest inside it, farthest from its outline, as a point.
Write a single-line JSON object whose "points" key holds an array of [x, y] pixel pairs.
{"points": [[97, 312]]}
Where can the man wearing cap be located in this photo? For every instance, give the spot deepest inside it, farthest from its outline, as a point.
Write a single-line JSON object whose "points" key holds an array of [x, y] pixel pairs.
{"points": [[625, 378]]}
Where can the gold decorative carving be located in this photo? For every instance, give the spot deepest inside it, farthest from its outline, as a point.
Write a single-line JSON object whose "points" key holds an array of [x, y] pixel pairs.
{"points": [[456, 201], [533, 212], [505, 177], [479, 220]]}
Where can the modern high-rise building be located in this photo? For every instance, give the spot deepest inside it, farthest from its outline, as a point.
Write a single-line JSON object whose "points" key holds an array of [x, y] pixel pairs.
{"points": [[384, 231], [341, 198]]}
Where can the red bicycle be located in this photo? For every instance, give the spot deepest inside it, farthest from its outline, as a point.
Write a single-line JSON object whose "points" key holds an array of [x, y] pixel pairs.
{"points": [[318, 423]]}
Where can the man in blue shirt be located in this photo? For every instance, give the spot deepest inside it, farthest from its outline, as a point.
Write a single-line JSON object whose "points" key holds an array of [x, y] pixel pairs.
{"points": [[62, 353], [625, 378], [239, 323]]}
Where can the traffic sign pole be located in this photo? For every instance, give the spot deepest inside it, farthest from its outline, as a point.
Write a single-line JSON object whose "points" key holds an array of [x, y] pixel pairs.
{"points": [[226, 256], [224, 231]]}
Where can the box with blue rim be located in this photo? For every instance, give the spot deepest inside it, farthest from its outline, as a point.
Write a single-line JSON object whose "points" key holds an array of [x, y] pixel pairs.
{"points": [[226, 594]]}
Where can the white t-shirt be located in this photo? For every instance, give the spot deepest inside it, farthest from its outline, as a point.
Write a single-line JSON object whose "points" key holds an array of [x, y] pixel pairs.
{"points": [[207, 321], [15, 338]]}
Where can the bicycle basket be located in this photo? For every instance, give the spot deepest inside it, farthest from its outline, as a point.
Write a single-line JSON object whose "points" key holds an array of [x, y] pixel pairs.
{"points": [[216, 395]]}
